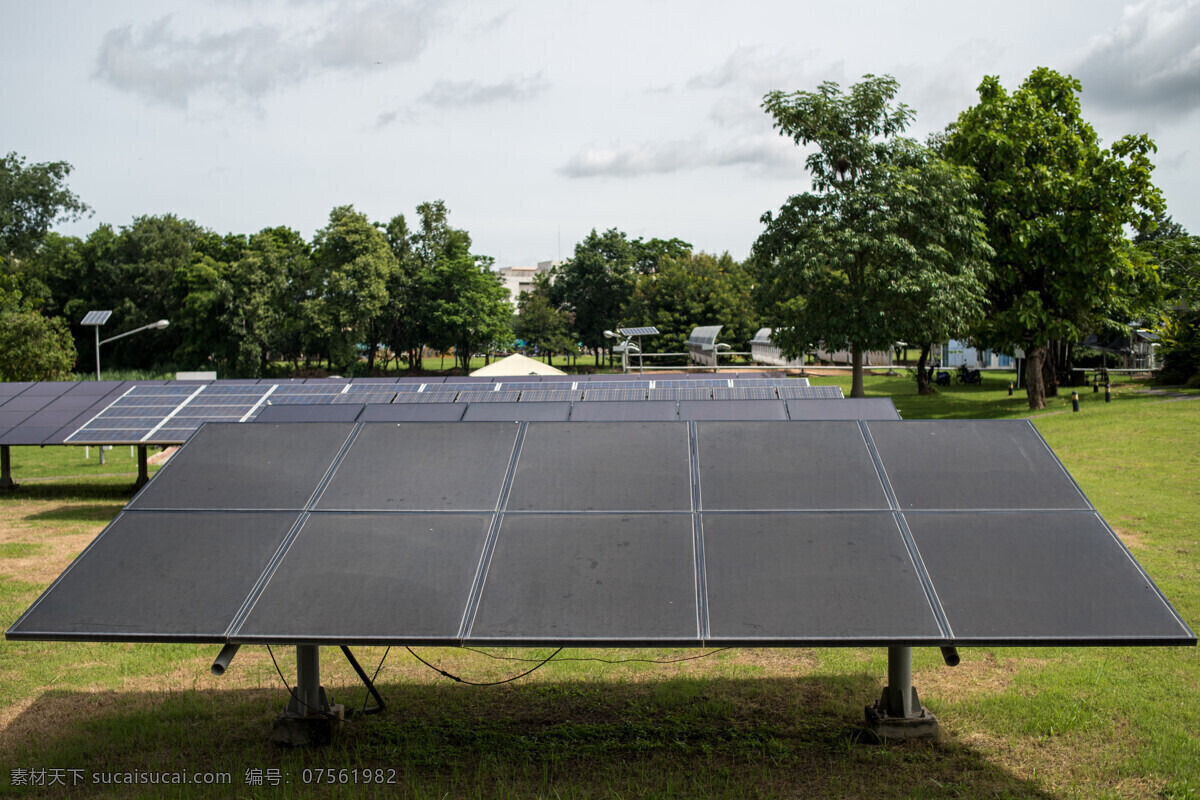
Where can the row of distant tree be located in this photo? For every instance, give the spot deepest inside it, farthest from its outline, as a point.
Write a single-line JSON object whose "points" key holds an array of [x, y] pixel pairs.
{"points": [[1013, 228]]}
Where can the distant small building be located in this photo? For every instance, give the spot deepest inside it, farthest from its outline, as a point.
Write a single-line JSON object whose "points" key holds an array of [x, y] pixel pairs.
{"points": [[521, 279]]}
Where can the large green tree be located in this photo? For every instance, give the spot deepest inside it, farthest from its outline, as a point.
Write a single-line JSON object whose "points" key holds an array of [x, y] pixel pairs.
{"points": [[32, 347], [691, 289], [355, 265], [468, 306], [32, 198], [1055, 204], [888, 229], [595, 285], [542, 325]]}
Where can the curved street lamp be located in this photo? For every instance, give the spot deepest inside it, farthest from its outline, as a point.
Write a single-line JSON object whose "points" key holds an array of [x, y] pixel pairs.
{"points": [[103, 317]]}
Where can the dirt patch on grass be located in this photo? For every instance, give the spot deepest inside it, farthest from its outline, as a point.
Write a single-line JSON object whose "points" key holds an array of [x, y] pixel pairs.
{"points": [[1131, 539]]}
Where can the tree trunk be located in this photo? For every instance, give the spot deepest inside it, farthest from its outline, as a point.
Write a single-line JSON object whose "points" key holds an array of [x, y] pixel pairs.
{"points": [[371, 358], [856, 371], [1035, 357], [923, 386], [1050, 370]]}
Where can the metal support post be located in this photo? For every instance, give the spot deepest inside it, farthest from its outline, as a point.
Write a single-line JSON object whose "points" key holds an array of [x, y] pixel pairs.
{"points": [[899, 714], [6, 481], [143, 468], [310, 718]]}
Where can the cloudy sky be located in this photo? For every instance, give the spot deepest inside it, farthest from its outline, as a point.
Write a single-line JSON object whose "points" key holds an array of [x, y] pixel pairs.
{"points": [[535, 120]]}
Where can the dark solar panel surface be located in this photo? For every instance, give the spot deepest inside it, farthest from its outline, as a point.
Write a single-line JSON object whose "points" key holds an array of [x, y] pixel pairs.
{"points": [[609, 533], [789, 392], [955, 464], [413, 412], [518, 412], [850, 408], [732, 409], [338, 413], [460, 467], [617, 411]]}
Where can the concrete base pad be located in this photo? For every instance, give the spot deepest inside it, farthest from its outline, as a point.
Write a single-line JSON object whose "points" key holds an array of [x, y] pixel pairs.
{"points": [[295, 730], [919, 724]]}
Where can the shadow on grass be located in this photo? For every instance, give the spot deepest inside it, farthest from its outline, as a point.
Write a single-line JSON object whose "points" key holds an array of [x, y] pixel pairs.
{"points": [[79, 512], [120, 490], [677, 737]]}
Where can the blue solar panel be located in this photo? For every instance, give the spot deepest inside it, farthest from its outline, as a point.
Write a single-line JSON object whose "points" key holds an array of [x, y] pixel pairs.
{"points": [[697, 393], [805, 392], [488, 397], [745, 393], [380, 398], [688, 383], [426, 397], [551, 395], [614, 394]]}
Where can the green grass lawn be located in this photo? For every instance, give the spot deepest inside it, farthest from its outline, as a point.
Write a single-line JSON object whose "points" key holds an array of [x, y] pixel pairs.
{"points": [[1016, 722]]}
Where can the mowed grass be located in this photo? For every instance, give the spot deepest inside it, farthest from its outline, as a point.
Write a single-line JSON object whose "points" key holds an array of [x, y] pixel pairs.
{"points": [[1016, 723]]}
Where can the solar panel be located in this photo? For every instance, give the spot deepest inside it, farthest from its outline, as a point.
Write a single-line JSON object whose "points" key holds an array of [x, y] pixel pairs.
{"points": [[370, 479], [518, 412], [695, 393], [648, 330], [790, 392], [850, 408], [253, 467], [932, 469], [425, 397], [732, 409], [787, 577], [640, 410], [585, 578], [626, 395], [745, 393], [413, 412], [690, 383], [671, 533], [309, 413], [488, 397], [548, 395], [95, 318], [419, 566], [574, 467], [362, 398]]}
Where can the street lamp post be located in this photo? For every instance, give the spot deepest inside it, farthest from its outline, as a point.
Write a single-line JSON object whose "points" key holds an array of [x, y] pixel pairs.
{"points": [[162, 323]]}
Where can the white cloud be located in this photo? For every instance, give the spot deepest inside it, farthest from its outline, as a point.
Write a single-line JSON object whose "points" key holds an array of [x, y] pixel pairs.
{"points": [[756, 152], [163, 65], [462, 94], [1150, 62]]}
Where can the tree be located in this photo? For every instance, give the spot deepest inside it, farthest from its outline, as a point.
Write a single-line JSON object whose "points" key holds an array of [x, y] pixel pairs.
{"points": [[32, 198], [32, 347], [469, 307], [689, 290], [355, 265], [596, 284], [540, 324], [1176, 254], [1055, 204], [888, 230]]}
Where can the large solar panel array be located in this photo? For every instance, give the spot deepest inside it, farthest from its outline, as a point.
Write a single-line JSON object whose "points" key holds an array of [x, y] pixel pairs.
{"points": [[167, 413], [842, 533]]}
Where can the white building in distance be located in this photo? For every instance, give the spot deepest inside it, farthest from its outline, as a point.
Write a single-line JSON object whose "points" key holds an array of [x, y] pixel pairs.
{"points": [[520, 279]]}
